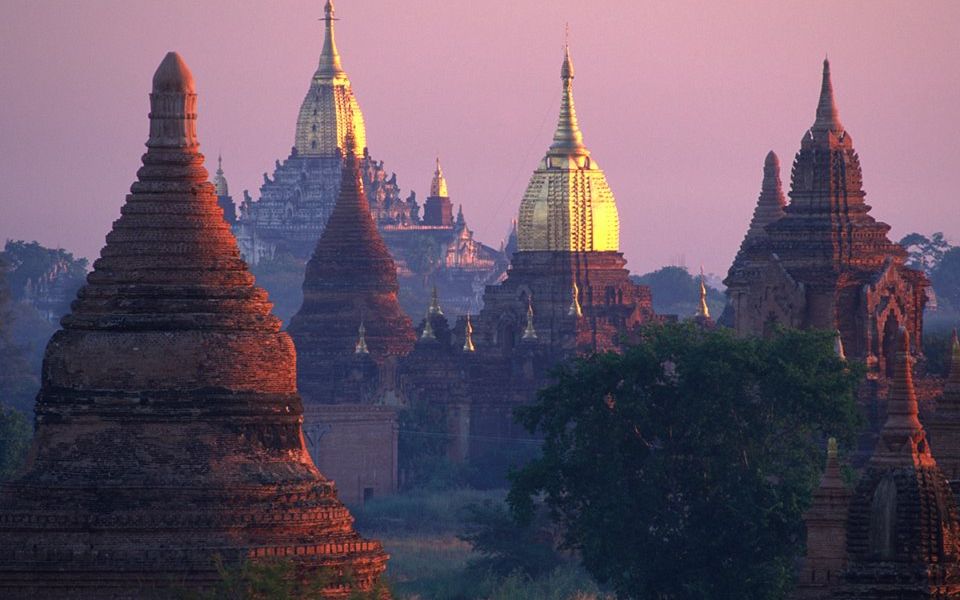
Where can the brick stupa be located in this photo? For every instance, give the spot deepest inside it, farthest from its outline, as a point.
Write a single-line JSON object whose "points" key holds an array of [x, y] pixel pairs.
{"points": [[903, 534], [168, 426], [351, 280]]}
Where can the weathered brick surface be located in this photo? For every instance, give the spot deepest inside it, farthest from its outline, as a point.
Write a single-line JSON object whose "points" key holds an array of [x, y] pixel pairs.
{"points": [[168, 423]]}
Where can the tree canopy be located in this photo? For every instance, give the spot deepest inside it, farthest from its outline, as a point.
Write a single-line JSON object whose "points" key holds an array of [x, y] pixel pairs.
{"points": [[677, 292], [681, 467]]}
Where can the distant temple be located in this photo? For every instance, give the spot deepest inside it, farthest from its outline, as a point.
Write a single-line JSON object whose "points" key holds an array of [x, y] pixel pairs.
{"points": [[822, 261], [897, 534], [297, 200], [168, 425]]}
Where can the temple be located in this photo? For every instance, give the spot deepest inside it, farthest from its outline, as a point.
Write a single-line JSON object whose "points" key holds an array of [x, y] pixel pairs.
{"points": [[825, 263], [168, 425], [903, 532], [298, 199]]}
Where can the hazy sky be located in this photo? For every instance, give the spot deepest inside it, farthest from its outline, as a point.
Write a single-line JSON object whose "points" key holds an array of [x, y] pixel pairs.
{"points": [[679, 102]]}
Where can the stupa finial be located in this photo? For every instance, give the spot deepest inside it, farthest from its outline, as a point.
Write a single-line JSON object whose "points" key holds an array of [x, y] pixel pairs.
{"points": [[575, 309], [828, 118], [703, 310], [361, 347], [468, 336], [568, 139], [529, 332], [434, 308], [902, 439], [330, 66], [438, 187], [173, 106]]}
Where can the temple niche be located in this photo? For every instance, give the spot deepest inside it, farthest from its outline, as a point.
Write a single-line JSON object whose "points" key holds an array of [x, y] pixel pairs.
{"points": [[168, 424], [822, 261], [298, 198]]}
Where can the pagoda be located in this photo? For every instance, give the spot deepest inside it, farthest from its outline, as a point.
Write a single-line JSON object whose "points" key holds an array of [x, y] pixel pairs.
{"points": [[568, 254], [903, 533], [943, 426], [351, 280], [826, 263], [168, 425]]}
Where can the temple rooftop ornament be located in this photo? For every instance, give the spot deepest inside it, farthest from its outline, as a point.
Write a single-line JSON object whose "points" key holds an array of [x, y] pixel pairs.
{"points": [[529, 332], [568, 205], [428, 334], [434, 308], [575, 309], [838, 345], [361, 340], [468, 336], [703, 310], [828, 117], [219, 181]]}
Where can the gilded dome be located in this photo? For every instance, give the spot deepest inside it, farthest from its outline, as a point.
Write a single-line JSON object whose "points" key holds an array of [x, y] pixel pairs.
{"points": [[329, 109], [568, 205]]}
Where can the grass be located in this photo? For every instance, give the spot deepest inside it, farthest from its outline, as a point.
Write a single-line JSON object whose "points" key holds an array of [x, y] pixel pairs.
{"points": [[429, 562]]}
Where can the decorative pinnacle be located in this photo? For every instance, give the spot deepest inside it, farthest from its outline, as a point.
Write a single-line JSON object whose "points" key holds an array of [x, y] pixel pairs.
{"points": [[703, 310], [568, 139], [428, 333], [828, 118], [361, 347], [575, 309], [173, 106], [529, 333], [434, 308], [902, 439], [832, 448], [468, 336], [838, 346], [330, 66], [438, 187]]}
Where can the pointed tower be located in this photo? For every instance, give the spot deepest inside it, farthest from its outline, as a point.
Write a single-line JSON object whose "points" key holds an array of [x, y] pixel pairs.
{"points": [[826, 263], [351, 275], [168, 421], [944, 424], [826, 524], [903, 534], [330, 110], [567, 238], [438, 210], [224, 199]]}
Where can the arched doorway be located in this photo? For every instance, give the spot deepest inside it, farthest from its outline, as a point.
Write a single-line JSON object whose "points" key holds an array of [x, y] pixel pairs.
{"points": [[891, 329]]}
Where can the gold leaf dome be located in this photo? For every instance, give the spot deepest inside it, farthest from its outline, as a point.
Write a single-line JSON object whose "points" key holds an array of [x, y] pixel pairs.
{"points": [[568, 205], [330, 110]]}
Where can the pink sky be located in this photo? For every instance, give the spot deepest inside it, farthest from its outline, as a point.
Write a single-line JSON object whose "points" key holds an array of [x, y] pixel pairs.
{"points": [[679, 102]]}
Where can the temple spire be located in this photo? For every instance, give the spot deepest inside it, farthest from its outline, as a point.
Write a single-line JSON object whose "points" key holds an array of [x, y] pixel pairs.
{"points": [[438, 187], [703, 310], [529, 332], [361, 347], [828, 119], [902, 439], [468, 336], [173, 106], [838, 346], [568, 139], [575, 309], [434, 304], [329, 57]]}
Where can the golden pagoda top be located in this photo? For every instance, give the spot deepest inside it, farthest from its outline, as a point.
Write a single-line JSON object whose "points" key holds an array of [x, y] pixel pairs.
{"points": [[703, 310], [438, 187], [219, 181], [568, 205], [329, 109]]}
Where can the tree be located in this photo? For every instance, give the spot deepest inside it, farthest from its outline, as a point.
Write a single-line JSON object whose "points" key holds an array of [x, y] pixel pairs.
{"points": [[677, 292], [925, 253], [681, 467], [18, 377], [946, 278]]}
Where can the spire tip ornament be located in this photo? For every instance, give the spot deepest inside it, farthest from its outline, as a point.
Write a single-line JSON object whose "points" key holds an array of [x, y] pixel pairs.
{"points": [[468, 336], [529, 332]]}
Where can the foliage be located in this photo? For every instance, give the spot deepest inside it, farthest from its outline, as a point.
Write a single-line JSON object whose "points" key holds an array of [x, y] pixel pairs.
{"points": [[925, 253], [507, 547], [424, 254], [677, 292], [29, 263], [21, 330], [946, 277], [282, 277], [15, 434], [419, 512], [681, 467], [936, 350], [422, 448]]}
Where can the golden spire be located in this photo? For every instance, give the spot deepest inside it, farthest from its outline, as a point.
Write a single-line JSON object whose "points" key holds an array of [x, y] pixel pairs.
{"points": [[361, 347], [330, 66], [434, 308], [575, 310], [468, 336], [832, 448], [438, 187], [529, 333], [428, 333], [703, 310], [568, 139], [219, 181]]}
